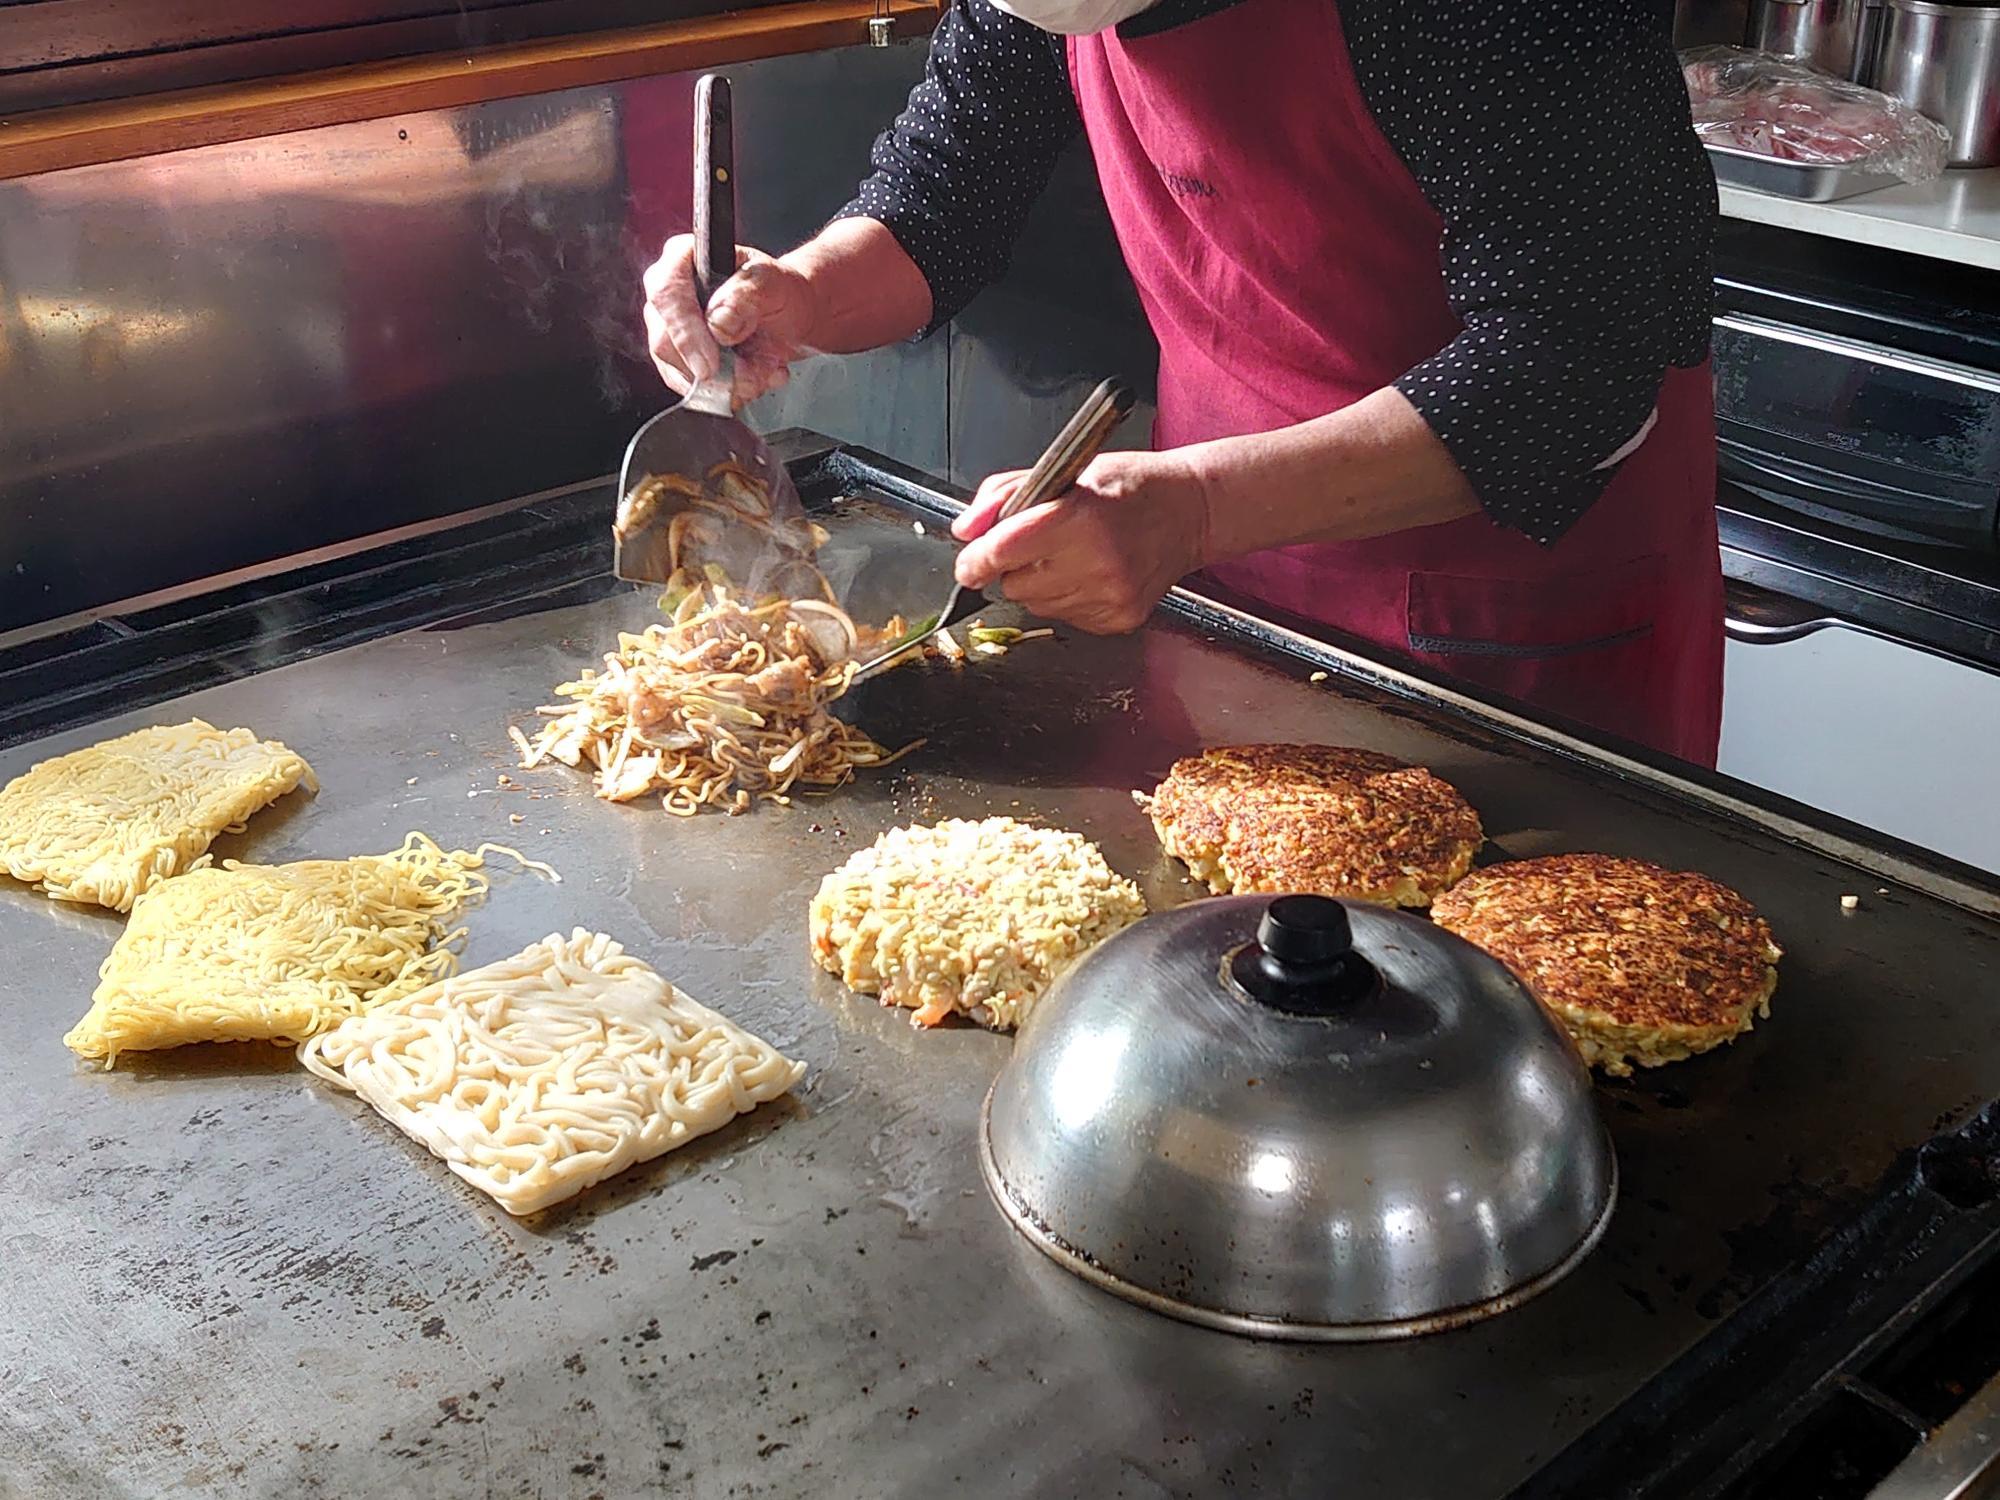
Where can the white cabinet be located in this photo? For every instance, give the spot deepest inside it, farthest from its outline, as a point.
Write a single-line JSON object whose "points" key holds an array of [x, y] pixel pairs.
{"points": [[1889, 736]]}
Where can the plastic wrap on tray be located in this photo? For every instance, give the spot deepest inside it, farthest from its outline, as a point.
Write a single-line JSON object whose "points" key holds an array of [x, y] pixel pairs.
{"points": [[1778, 107]]}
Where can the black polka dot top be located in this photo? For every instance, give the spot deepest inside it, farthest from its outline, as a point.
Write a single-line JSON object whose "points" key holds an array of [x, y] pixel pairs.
{"points": [[1551, 136]]}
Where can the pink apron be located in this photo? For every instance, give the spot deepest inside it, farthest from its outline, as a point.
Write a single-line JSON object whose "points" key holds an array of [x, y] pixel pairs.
{"points": [[1289, 265]]}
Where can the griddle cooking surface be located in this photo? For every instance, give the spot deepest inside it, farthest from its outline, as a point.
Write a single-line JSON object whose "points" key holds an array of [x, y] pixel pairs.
{"points": [[224, 1279]]}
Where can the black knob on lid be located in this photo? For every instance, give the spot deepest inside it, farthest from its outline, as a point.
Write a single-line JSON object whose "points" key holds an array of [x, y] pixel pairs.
{"points": [[1305, 930], [1303, 961]]}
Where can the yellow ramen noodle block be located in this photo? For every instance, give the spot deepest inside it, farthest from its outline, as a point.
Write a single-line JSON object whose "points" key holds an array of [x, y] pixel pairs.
{"points": [[546, 1072], [103, 825], [276, 952]]}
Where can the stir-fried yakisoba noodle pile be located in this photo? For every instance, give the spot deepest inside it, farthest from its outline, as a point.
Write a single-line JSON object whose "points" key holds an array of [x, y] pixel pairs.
{"points": [[725, 703], [546, 1072], [104, 824], [278, 952]]}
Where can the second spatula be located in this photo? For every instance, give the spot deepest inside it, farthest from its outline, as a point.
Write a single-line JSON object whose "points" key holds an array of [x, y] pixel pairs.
{"points": [[1054, 472]]}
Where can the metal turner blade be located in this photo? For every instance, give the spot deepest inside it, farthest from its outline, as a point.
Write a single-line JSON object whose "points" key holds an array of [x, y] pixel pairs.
{"points": [[1054, 472], [697, 456]]}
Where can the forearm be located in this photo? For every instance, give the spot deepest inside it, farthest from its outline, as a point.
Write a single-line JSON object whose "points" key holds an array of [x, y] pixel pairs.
{"points": [[1368, 469], [866, 291]]}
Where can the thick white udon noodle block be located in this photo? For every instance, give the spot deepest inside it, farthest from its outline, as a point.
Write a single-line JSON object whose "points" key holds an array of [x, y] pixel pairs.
{"points": [[546, 1072]]}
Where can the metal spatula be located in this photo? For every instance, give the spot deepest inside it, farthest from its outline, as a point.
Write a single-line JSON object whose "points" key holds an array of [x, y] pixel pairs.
{"points": [[1054, 472], [698, 455]]}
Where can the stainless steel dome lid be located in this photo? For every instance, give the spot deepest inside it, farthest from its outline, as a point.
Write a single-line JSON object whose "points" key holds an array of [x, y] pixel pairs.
{"points": [[1300, 1118]]}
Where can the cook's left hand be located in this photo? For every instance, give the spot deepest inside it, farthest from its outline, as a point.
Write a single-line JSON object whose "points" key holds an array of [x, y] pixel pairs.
{"points": [[1102, 555]]}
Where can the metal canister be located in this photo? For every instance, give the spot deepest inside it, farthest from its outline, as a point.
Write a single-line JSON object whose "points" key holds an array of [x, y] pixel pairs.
{"points": [[1868, 47], [1944, 61], [1826, 33]]}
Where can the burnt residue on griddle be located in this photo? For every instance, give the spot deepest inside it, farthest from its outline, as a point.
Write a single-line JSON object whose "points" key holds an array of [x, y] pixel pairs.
{"points": [[1639, 1295], [458, 1409], [589, 1256], [1801, 1215]]}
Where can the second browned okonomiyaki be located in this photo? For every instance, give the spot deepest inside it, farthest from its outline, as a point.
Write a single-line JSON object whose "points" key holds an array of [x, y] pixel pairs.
{"points": [[1643, 965], [1320, 819]]}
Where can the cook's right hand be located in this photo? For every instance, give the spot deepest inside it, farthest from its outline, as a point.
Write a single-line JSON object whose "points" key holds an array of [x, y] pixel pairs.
{"points": [[764, 312]]}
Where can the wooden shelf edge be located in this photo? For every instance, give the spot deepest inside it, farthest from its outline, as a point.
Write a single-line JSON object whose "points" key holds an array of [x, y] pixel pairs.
{"points": [[117, 130]]}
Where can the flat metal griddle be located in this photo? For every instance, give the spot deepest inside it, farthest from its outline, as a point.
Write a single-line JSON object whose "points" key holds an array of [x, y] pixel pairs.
{"points": [[223, 1279]]}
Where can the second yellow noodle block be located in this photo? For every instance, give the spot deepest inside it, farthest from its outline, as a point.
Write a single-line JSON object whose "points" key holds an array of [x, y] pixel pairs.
{"points": [[277, 953]]}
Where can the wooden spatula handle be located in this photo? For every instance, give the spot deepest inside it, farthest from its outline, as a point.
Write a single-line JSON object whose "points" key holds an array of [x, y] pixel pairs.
{"points": [[714, 187], [1073, 449]]}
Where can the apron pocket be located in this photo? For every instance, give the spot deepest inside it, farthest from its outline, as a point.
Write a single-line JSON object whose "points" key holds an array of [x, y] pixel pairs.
{"points": [[1519, 619], [1576, 644]]}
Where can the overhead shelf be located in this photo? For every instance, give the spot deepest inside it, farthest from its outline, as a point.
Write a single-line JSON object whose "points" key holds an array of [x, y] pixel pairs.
{"points": [[77, 135], [1956, 218]]}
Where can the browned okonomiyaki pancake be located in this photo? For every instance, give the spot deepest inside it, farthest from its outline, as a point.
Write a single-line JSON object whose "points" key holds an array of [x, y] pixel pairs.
{"points": [[1322, 819], [1643, 965]]}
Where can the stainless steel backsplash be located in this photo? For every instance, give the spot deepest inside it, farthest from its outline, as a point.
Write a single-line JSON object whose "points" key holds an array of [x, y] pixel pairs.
{"points": [[215, 358]]}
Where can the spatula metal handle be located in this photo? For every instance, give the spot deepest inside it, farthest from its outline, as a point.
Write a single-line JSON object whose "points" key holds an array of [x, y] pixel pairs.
{"points": [[1073, 449], [714, 187]]}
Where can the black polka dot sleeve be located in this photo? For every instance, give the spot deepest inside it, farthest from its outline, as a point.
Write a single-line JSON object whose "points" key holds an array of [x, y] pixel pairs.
{"points": [[1579, 214], [957, 173]]}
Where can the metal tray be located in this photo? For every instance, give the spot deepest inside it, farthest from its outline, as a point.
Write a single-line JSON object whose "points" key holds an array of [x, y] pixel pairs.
{"points": [[1809, 182], [222, 1279]]}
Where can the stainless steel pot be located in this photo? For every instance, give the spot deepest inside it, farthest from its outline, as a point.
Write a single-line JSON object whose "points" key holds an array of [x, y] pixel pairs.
{"points": [[1944, 61], [1298, 1118], [1826, 33]]}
